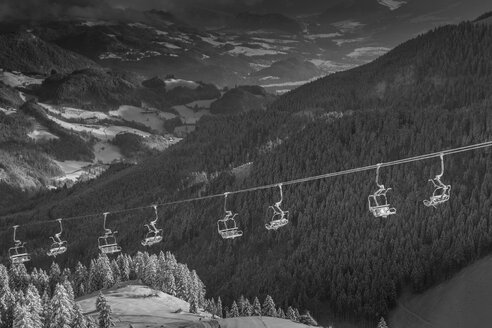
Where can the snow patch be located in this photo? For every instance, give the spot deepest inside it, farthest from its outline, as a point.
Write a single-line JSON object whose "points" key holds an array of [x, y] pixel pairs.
{"points": [[15, 80], [173, 83], [368, 52], [250, 52]]}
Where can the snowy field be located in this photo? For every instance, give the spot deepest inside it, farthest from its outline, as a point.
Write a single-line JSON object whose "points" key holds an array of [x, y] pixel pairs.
{"points": [[15, 80], [173, 83], [142, 306], [259, 322], [188, 115], [151, 119], [74, 113]]}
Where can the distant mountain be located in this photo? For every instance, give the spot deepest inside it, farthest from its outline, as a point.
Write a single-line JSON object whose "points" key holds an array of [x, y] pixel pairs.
{"points": [[410, 73], [26, 52], [241, 99], [290, 69]]}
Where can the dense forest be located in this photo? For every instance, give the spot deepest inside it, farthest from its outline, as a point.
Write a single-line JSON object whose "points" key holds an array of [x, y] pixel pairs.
{"points": [[333, 257]]}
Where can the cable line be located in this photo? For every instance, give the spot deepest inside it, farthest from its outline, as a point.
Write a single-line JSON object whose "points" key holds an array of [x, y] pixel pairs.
{"points": [[291, 182]]}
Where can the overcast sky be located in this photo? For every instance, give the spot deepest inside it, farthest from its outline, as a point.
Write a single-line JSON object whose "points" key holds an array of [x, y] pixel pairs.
{"points": [[93, 8]]}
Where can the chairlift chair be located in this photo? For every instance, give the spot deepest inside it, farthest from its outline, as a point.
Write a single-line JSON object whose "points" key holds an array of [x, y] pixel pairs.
{"points": [[441, 192], [18, 254], [107, 243], [279, 216], [227, 227], [154, 235], [58, 246], [378, 202]]}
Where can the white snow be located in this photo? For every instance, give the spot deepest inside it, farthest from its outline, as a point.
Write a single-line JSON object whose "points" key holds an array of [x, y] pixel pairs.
{"points": [[173, 83], [74, 113], [330, 66], [168, 45], [259, 322], [290, 84], [18, 80], [322, 36], [98, 131], [40, 134], [142, 306], [250, 52], [368, 51], [151, 119], [106, 152], [8, 111], [211, 40], [72, 169], [188, 115], [269, 78]]}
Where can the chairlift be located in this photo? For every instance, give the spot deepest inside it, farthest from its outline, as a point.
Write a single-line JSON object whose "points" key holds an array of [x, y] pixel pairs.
{"points": [[227, 227], [58, 246], [154, 235], [279, 216], [107, 243], [378, 202], [441, 192], [18, 254]]}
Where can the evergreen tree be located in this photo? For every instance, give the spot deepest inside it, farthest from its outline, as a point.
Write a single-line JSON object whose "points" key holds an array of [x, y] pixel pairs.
{"points": [[280, 313], [269, 307], [297, 314], [307, 319], [382, 323], [256, 307], [60, 308], [34, 306], [234, 310], [194, 305], [219, 312], [79, 320], [80, 279], [248, 308], [241, 304], [22, 317], [104, 309], [291, 314], [54, 276], [169, 284]]}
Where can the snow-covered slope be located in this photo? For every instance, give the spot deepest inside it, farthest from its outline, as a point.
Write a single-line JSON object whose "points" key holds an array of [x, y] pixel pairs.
{"points": [[141, 306], [259, 322]]}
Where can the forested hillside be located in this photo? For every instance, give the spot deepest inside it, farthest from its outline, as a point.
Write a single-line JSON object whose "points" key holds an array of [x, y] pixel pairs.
{"points": [[333, 257], [449, 66]]}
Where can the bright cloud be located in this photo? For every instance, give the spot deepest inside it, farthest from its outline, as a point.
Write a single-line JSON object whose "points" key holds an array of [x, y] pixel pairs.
{"points": [[348, 25], [368, 52], [392, 4]]}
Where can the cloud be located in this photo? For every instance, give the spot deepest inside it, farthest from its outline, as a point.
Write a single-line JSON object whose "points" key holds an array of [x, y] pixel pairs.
{"points": [[348, 25], [392, 4], [368, 52]]}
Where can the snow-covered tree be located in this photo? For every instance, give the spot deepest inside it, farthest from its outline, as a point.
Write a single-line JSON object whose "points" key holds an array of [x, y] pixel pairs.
{"points": [[280, 313], [60, 308], [104, 309], [54, 276], [269, 307], [168, 283], [234, 310], [256, 307], [150, 272], [34, 306], [219, 312], [194, 305], [382, 323], [22, 317], [80, 279], [248, 308], [79, 320], [291, 314], [307, 319]]}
